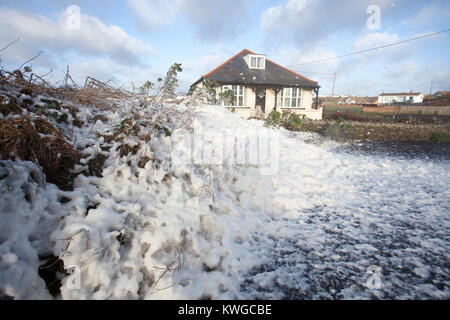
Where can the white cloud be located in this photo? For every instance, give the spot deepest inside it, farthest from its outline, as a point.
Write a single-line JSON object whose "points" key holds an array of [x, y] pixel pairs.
{"points": [[374, 39], [94, 38], [212, 20], [389, 54], [216, 20], [194, 68], [297, 57], [321, 72], [398, 70], [418, 75], [283, 15], [98, 50], [104, 69], [393, 68], [154, 13], [208, 62], [429, 14], [307, 22]]}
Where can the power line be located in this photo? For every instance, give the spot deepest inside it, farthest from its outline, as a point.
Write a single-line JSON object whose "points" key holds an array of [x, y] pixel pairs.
{"points": [[362, 82], [372, 49], [364, 46], [365, 81], [320, 73]]}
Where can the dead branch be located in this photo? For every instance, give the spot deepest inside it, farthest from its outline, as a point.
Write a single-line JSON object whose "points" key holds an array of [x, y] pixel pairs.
{"points": [[110, 80], [30, 60], [9, 44], [68, 77], [44, 75], [44, 82]]}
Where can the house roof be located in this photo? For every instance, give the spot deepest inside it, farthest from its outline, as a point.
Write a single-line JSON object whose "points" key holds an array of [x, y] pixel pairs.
{"points": [[401, 94], [236, 71]]}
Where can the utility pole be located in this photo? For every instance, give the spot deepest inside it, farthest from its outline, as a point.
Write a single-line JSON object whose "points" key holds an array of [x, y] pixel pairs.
{"points": [[332, 91], [429, 96]]}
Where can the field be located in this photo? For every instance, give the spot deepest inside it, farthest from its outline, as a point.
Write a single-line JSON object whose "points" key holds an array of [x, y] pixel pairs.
{"points": [[405, 114], [343, 123]]}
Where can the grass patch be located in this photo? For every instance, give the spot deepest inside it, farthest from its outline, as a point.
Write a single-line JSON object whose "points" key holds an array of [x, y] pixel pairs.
{"points": [[349, 114], [437, 137], [340, 130]]}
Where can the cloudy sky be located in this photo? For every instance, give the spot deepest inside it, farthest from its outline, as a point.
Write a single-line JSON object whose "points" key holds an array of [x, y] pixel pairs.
{"points": [[137, 40]]}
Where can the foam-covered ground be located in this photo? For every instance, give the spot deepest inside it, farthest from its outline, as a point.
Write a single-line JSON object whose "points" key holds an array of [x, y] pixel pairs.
{"points": [[173, 230]]}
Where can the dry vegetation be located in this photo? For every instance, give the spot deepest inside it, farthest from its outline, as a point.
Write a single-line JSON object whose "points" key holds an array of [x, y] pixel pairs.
{"points": [[26, 132], [442, 100], [39, 141], [36, 118], [39, 122], [94, 92]]}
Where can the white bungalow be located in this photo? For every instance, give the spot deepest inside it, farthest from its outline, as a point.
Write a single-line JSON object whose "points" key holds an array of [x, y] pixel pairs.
{"points": [[259, 85], [405, 97]]}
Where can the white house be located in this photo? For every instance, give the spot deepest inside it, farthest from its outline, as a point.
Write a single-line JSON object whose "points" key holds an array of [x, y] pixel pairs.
{"points": [[405, 97], [259, 85]]}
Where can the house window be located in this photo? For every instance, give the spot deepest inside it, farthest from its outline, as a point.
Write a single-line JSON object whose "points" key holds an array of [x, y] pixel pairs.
{"points": [[260, 64], [238, 96], [290, 98], [255, 61]]}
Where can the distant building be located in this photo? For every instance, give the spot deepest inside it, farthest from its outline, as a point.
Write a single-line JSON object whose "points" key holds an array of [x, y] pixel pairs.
{"points": [[404, 97], [349, 101]]}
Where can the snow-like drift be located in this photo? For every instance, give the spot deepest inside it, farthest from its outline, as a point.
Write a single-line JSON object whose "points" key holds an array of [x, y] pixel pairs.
{"points": [[173, 230]]}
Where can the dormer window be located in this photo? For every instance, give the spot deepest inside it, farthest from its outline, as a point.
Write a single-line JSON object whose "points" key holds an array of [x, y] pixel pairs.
{"points": [[255, 61]]}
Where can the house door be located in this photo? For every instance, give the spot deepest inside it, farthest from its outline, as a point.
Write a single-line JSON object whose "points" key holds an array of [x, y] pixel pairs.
{"points": [[261, 99]]}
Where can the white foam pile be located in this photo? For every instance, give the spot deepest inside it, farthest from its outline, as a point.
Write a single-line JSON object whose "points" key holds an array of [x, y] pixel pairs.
{"points": [[174, 230]]}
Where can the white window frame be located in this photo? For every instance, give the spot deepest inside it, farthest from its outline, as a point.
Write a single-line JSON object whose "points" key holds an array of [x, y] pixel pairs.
{"points": [[287, 96], [238, 94], [260, 61], [239, 89]]}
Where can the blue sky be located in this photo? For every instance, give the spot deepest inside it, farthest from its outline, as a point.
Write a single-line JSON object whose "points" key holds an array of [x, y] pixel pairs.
{"points": [[137, 40]]}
